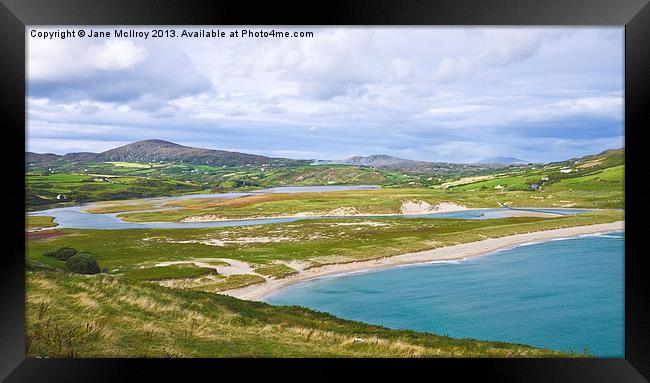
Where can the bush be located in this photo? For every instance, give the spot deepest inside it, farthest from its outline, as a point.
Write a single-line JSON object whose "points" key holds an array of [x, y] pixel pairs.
{"points": [[82, 264], [63, 254]]}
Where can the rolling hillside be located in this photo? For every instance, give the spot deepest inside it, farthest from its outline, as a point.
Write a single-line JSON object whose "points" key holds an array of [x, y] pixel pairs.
{"points": [[412, 166], [596, 181], [134, 171]]}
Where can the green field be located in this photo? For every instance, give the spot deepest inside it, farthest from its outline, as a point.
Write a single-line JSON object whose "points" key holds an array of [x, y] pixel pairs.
{"points": [[169, 272], [385, 201], [107, 181], [311, 241], [38, 222], [591, 183], [138, 307], [52, 190], [107, 316]]}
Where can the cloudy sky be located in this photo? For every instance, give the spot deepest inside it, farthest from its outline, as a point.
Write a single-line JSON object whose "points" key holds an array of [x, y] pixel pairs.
{"points": [[438, 94]]}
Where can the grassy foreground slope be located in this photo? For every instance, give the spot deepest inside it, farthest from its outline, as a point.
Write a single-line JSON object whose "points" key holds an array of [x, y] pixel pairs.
{"points": [[108, 316]]}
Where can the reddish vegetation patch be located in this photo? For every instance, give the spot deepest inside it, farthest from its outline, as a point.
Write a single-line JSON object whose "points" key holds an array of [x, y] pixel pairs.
{"points": [[45, 234], [247, 200]]}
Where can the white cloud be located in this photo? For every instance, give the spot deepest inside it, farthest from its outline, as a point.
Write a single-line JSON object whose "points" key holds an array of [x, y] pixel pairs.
{"points": [[452, 69], [56, 60], [38, 101], [401, 69], [59, 146], [598, 106], [460, 109], [498, 47], [116, 54], [50, 59], [503, 47], [431, 93]]}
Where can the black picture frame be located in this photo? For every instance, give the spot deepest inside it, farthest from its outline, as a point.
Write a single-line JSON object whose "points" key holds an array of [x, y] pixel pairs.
{"points": [[15, 15]]}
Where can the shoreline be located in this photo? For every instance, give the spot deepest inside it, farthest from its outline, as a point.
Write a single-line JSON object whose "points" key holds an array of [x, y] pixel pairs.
{"points": [[454, 252], [518, 212]]}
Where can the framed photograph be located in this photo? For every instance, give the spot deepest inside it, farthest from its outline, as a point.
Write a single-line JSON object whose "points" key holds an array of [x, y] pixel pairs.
{"points": [[346, 187]]}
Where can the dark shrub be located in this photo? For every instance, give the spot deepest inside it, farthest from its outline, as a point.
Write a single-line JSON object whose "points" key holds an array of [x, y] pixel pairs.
{"points": [[82, 264], [49, 253], [64, 253]]}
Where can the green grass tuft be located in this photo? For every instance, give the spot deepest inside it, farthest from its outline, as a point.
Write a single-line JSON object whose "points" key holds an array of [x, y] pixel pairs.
{"points": [[169, 272]]}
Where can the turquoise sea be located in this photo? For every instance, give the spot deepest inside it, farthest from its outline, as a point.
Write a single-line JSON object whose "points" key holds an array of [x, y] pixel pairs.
{"points": [[562, 294]]}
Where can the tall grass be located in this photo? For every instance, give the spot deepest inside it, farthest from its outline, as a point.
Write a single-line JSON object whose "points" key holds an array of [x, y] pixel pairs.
{"points": [[106, 316]]}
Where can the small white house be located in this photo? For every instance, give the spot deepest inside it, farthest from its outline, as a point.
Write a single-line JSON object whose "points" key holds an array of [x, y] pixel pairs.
{"points": [[566, 171], [498, 187]]}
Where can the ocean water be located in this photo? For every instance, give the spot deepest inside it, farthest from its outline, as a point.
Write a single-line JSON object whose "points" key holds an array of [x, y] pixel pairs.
{"points": [[562, 294]]}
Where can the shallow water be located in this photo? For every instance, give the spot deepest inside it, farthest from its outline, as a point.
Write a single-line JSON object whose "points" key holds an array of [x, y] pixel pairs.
{"points": [[561, 294], [74, 217]]}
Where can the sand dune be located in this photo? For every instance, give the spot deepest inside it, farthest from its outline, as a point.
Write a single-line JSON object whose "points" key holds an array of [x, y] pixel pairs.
{"points": [[421, 207]]}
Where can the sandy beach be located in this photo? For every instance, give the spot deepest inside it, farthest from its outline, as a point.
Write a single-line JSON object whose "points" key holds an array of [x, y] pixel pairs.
{"points": [[347, 212], [461, 251]]}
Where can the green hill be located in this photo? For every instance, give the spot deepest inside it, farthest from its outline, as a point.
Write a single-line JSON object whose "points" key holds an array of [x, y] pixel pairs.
{"points": [[162, 151]]}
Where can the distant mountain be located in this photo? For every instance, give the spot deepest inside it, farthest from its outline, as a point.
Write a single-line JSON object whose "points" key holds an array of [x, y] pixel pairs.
{"points": [[502, 161], [41, 159], [159, 150], [407, 166], [377, 160]]}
